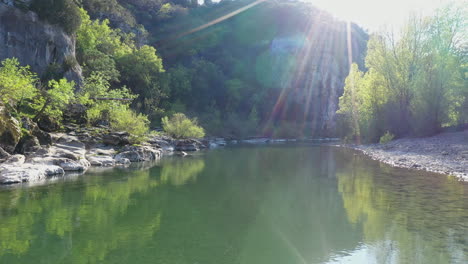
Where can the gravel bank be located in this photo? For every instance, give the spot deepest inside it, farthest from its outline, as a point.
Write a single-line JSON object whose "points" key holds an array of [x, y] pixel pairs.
{"points": [[446, 153]]}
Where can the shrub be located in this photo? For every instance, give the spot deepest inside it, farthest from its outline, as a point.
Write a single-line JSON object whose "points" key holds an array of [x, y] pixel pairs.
{"points": [[387, 137], [179, 126], [124, 119]]}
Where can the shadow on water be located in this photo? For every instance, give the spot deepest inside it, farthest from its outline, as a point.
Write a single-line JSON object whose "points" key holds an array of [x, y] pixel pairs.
{"points": [[247, 204]]}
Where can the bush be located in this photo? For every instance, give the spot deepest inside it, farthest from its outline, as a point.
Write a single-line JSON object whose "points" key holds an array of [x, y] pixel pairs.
{"points": [[124, 119], [387, 137], [179, 126]]}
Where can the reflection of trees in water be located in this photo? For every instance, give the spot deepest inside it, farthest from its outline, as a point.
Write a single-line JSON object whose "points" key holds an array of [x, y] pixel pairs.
{"points": [[179, 171], [76, 224], [414, 217]]}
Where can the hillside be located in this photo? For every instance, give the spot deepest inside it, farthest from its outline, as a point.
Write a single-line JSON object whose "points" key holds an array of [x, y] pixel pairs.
{"points": [[244, 68]]}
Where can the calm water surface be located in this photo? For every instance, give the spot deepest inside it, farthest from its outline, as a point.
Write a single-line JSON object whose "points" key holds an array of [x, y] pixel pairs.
{"points": [[248, 205]]}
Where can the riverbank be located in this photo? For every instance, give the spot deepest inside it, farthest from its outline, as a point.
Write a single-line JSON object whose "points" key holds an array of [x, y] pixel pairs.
{"points": [[445, 153], [76, 149]]}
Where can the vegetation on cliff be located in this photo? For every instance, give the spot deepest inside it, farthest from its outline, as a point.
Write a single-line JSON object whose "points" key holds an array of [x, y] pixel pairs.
{"points": [[235, 64]]}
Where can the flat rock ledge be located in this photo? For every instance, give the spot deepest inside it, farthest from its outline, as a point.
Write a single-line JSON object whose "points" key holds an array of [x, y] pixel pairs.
{"points": [[80, 148], [446, 153]]}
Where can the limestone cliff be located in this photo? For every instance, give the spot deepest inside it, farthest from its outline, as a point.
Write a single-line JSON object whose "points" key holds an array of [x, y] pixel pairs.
{"points": [[36, 43]]}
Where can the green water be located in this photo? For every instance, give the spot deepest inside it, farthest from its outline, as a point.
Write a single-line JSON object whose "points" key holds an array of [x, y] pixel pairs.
{"points": [[248, 205]]}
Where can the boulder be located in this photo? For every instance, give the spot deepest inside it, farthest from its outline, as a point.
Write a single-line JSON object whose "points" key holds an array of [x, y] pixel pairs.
{"points": [[15, 174], [10, 173], [43, 137], [139, 153], [104, 161], [75, 113], [10, 131], [116, 139], [122, 161], [72, 166], [3, 155], [189, 145], [27, 144], [48, 124]]}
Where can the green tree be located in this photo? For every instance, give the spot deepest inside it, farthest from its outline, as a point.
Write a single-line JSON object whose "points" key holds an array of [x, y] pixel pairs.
{"points": [[141, 70], [54, 99], [17, 83]]}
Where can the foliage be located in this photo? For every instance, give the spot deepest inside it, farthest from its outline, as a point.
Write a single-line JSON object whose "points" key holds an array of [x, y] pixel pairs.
{"points": [[117, 113], [413, 84], [387, 137], [179, 126], [255, 60], [17, 83], [54, 99], [124, 119], [64, 13]]}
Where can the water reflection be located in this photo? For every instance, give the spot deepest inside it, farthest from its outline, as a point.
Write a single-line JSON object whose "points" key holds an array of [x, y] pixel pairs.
{"points": [[406, 216], [246, 205]]}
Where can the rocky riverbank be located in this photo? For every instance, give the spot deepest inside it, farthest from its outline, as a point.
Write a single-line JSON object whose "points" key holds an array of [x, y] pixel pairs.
{"points": [[446, 153], [41, 154]]}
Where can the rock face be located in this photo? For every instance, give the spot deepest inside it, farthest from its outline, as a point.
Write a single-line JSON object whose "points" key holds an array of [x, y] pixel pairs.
{"points": [[10, 131], [34, 42]]}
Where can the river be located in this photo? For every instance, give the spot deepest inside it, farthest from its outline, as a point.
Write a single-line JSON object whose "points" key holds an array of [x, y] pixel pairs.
{"points": [[272, 204]]}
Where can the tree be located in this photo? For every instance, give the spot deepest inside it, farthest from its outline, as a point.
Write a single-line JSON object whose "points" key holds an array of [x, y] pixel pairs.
{"points": [[17, 83], [414, 84], [54, 99], [141, 70]]}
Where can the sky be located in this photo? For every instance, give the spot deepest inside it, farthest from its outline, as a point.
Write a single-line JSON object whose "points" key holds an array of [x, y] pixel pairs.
{"points": [[373, 14]]}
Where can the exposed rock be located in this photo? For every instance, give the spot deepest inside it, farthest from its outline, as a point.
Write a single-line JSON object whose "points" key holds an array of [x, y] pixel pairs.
{"points": [[47, 124], [72, 166], [27, 144], [139, 153], [10, 174], [10, 130], [101, 156], [15, 160], [3, 155], [165, 143], [105, 161], [75, 113], [189, 145], [35, 43], [116, 139], [15, 174], [123, 161], [43, 137]]}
